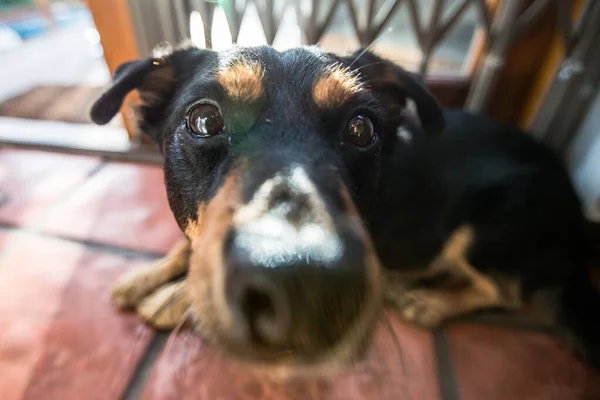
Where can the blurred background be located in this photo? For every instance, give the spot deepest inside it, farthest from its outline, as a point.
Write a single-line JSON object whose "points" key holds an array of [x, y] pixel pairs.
{"points": [[80, 204], [526, 62]]}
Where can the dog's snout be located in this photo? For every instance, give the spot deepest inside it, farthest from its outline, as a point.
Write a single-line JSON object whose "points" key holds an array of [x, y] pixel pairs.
{"points": [[289, 301], [296, 272], [258, 304]]}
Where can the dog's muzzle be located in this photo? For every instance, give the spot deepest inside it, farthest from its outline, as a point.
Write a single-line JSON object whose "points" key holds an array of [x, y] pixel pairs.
{"points": [[295, 276]]}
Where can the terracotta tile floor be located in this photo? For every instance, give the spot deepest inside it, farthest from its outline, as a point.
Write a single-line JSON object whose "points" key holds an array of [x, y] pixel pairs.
{"points": [[69, 225]]}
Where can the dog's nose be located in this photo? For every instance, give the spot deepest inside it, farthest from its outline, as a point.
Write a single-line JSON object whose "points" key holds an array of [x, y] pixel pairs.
{"points": [[289, 297], [257, 300]]}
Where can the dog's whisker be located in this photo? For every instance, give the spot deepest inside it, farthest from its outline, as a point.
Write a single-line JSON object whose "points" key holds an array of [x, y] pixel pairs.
{"points": [[368, 65], [172, 298], [401, 358], [365, 50], [185, 317], [376, 80]]}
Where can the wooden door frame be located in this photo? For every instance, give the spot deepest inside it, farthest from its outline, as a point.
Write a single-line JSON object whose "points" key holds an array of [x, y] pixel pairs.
{"points": [[113, 23]]}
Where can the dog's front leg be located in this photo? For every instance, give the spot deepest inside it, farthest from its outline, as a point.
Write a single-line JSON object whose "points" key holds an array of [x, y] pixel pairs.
{"points": [[423, 301], [166, 307], [137, 284]]}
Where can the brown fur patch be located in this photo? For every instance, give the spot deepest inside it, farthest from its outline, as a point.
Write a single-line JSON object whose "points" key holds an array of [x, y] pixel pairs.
{"points": [[242, 80], [193, 228], [335, 86], [430, 306], [157, 84], [206, 277]]}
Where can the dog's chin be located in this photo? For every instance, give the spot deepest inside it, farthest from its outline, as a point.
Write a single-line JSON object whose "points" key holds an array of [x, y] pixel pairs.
{"points": [[287, 365], [215, 325]]}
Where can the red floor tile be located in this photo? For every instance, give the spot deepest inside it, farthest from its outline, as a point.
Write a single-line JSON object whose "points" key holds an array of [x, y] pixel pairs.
{"points": [[32, 181], [91, 350], [397, 367], [59, 336], [123, 205], [493, 363], [31, 286]]}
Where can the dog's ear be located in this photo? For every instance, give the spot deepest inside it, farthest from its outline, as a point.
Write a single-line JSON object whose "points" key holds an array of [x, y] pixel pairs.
{"points": [[152, 77], [395, 86]]}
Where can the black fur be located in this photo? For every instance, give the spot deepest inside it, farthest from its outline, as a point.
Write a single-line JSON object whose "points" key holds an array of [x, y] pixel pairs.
{"points": [[412, 193]]}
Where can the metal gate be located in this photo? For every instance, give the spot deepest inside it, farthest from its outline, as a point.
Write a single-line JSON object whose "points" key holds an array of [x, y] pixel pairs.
{"points": [[493, 26]]}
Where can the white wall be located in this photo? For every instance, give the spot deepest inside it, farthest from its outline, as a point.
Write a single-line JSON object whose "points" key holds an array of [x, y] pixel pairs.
{"points": [[584, 161]]}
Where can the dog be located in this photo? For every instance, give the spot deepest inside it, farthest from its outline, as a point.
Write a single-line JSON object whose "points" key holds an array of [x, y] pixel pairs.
{"points": [[313, 188]]}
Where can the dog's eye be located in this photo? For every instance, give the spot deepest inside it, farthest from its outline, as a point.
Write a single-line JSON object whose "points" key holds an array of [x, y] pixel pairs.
{"points": [[360, 132], [205, 120]]}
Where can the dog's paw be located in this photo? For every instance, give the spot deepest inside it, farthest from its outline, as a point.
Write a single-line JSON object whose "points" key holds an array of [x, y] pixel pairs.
{"points": [[426, 308], [166, 307], [133, 286]]}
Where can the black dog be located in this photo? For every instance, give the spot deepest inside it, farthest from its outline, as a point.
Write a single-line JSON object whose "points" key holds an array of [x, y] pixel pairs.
{"points": [[311, 187]]}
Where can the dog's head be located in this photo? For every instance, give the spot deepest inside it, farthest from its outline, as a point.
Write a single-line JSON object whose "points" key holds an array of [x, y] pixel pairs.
{"points": [[272, 162]]}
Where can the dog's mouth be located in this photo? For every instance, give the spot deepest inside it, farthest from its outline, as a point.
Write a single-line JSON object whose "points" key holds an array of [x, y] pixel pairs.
{"points": [[279, 280]]}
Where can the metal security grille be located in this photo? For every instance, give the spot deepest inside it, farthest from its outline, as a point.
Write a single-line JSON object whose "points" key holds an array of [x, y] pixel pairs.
{"points": [[494, 24], [575, 83]]}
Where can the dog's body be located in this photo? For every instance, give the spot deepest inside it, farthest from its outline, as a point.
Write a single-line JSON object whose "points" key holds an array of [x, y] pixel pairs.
{"points": [[295, 239]]}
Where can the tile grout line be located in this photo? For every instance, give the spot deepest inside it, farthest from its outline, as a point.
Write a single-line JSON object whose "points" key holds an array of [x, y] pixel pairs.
{"points": [[89, 244], [59, 202], [35, 228], [510, 323], [446, 378], [140, 373], [143, 368]]}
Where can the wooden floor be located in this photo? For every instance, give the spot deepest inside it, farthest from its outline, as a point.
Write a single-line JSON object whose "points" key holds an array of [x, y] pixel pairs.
{"points": [[69, 225]]}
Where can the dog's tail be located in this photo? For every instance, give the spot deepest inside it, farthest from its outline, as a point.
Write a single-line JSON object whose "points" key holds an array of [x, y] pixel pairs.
{"points": [[579, 309]]}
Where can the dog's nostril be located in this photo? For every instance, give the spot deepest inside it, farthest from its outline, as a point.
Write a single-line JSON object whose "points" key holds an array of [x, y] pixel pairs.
{"points": [[258, 308], [256, 304], [280, 195], [291, 206], [265, 315]]}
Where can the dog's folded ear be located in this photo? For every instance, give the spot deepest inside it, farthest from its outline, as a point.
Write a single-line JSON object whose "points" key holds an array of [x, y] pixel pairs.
{"points": [[394, 85], [152, 77]]}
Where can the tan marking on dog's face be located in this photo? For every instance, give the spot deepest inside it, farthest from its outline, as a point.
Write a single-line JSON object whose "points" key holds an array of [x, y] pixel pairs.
{"points": [[206, 275], [193, 229], [336, 86], [242, 80]]}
